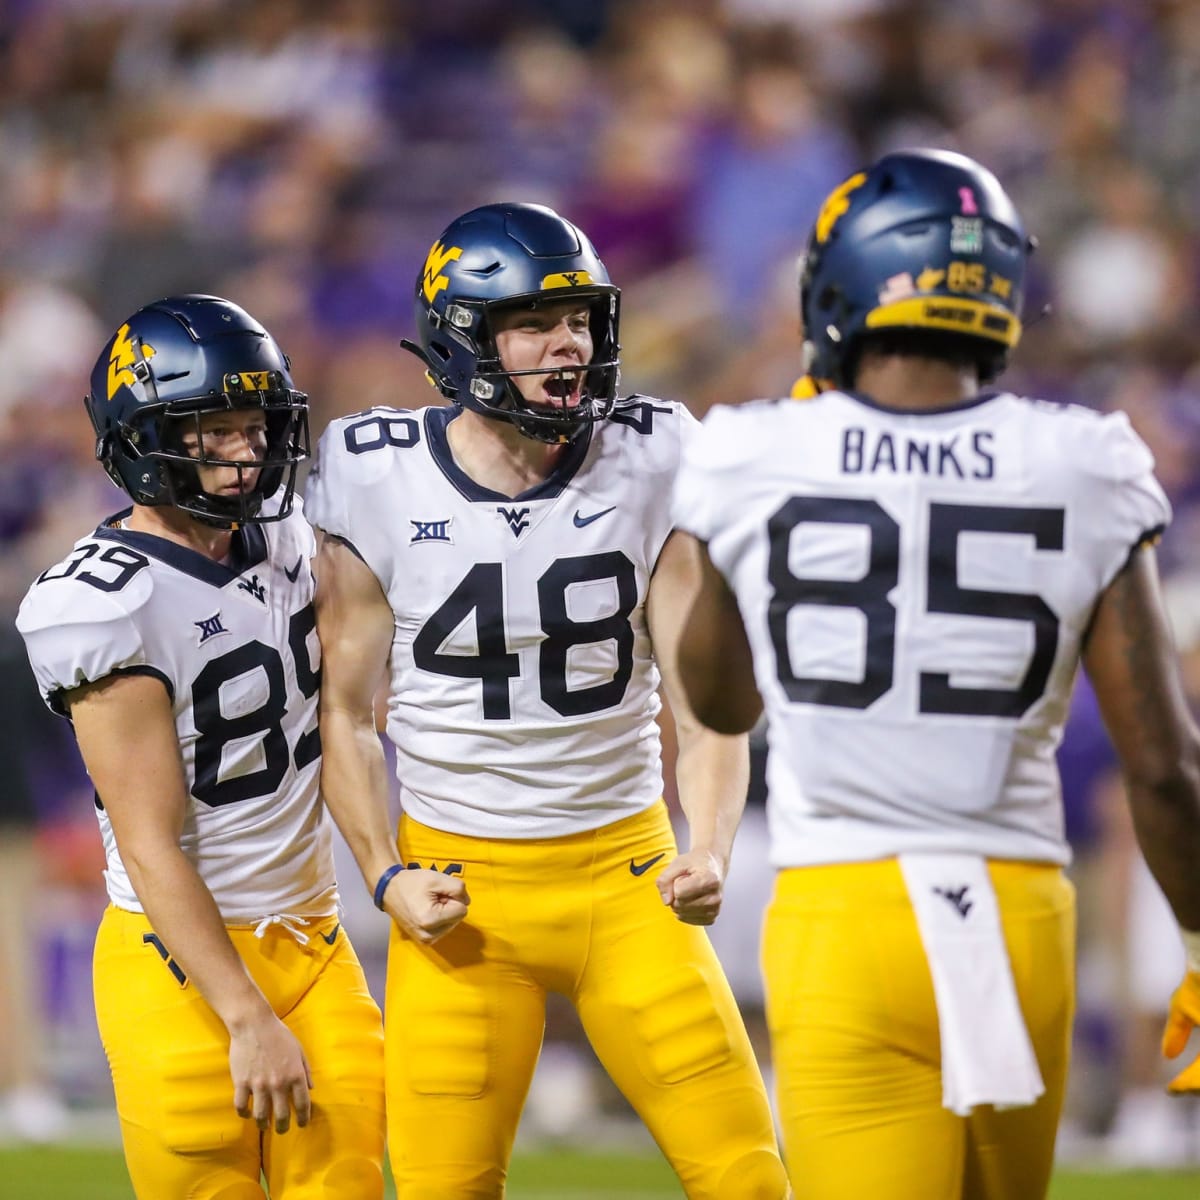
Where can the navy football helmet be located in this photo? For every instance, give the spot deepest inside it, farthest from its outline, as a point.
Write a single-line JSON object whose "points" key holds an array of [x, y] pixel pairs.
{"points": [[167, 366], [512, 256], [924, 240]]}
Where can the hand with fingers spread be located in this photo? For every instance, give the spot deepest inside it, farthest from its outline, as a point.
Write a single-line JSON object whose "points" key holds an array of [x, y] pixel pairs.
{"points": [[426, 904], [1182, 1017], [270, 1074], [693, 885]]}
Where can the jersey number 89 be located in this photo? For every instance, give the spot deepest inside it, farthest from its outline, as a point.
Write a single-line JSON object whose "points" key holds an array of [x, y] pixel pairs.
{"points": [[265, 722]]}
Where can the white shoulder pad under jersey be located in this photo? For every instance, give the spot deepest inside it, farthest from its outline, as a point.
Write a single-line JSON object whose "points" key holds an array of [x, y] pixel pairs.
{"points": [[915, 588], [523, 688], [235, 646]]}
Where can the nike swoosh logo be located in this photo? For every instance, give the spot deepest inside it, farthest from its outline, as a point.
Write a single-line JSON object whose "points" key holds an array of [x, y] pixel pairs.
{"points": [[642, 868], [330, 937], [294, 573], [580, 522]]}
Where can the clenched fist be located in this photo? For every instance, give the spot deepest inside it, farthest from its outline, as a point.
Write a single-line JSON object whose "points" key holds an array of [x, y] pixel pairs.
{"points": [[426, 904], [693, 884]]}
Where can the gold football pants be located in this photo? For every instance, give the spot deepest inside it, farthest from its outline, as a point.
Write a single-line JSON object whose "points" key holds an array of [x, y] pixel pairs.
{"points": [[856, 1048], [578, 915], [169, 1055]]}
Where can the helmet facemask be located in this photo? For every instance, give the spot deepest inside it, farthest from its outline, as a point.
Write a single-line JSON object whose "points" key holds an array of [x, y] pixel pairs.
{"points": [[581, 395], [165, 429]]}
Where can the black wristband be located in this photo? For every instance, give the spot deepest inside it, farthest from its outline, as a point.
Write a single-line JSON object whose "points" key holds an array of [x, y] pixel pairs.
{"points": [[384, 880]]}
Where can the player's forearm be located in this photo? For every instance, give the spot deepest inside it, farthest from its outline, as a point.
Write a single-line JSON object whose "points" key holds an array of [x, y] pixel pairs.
{"points": [[354, 783], [190, 930], [713, 773], [1166, 815]]}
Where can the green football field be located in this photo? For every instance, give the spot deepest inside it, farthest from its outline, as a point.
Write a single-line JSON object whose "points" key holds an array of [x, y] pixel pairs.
{"points": [[78, 1174]]}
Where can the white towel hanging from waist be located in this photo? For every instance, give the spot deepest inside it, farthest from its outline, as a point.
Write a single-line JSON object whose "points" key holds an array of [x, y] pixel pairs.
{"points": [[987, 1057]]}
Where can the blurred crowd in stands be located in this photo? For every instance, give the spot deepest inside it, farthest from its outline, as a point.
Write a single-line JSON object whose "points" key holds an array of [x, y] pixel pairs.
{"points": [[299, 156]]}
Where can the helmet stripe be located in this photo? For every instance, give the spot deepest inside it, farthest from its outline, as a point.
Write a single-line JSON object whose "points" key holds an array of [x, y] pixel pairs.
{"points": [[567, 279], [957, 316]]}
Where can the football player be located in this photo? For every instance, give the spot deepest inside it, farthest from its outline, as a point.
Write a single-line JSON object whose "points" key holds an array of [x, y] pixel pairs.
{"points": [[906, 570], [503, 557], [179, 638]]}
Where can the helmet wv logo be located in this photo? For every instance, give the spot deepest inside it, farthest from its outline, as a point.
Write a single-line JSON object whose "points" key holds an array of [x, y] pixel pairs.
{"points": [[439, 258], [567, 279], [121, 361], [837, 205], [254, 381]]}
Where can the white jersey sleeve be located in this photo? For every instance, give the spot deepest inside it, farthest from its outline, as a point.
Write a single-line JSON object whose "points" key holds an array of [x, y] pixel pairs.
{"points": [[355, 457], [69, 646], [714, 455], [916, 588], [1119, 472]]}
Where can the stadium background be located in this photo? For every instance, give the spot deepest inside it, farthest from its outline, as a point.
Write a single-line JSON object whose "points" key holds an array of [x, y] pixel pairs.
{"points": [[299, 156]]}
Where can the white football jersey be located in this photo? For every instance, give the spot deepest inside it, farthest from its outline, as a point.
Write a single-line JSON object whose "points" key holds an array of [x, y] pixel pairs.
{"points": [[523, 690], [235, 645], [915, 588]]}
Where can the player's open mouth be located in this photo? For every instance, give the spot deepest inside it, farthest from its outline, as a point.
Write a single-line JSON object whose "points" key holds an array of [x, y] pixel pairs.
{"points": [[564, 389]]}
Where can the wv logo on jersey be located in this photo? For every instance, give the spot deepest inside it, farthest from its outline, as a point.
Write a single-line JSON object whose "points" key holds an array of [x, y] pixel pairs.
{"points": [[958, 898], [515, 518], [430, 531], [210, 627], [255, 588]]}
